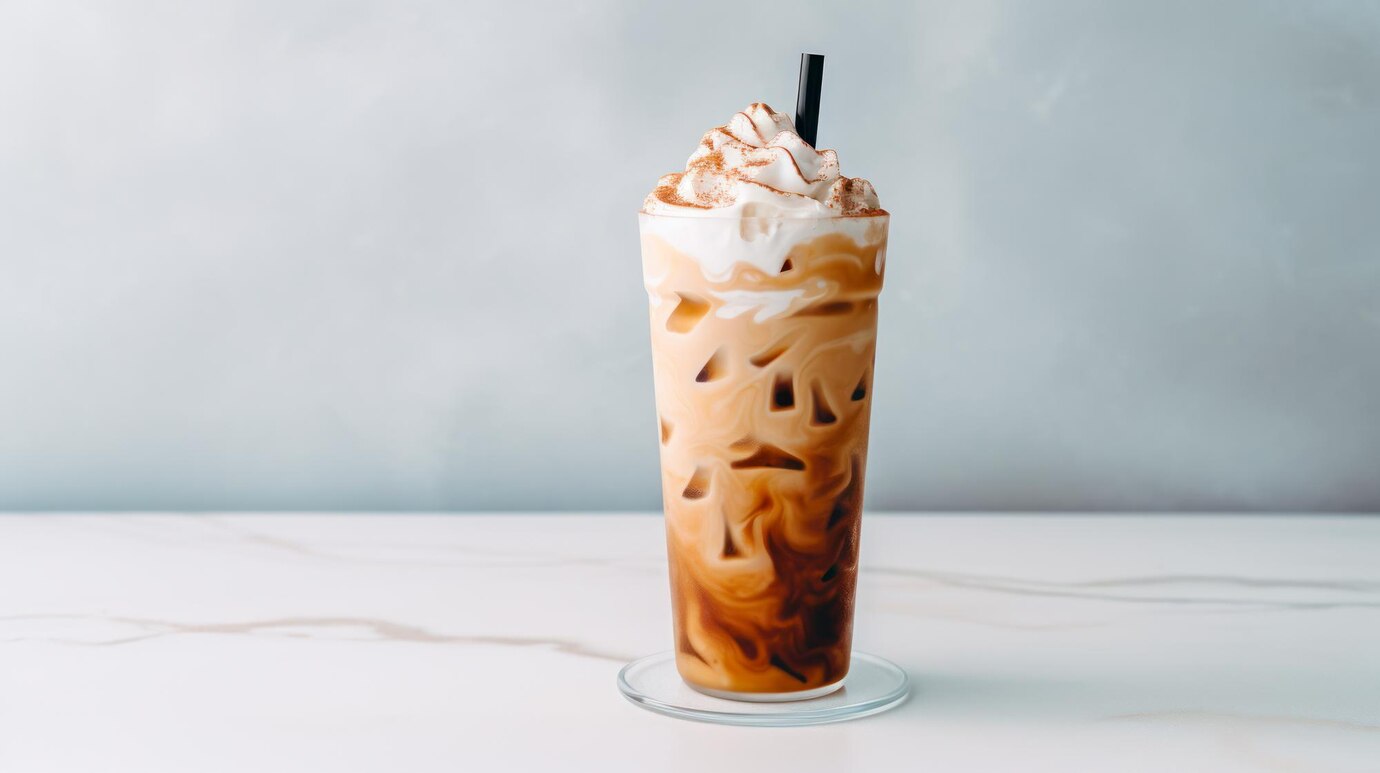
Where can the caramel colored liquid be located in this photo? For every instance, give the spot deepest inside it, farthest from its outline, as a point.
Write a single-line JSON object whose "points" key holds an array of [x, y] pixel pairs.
{"points": [[764, 423]]}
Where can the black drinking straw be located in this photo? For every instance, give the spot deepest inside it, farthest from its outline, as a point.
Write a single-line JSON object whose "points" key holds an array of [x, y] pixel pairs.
{"points": [[807, 98]]}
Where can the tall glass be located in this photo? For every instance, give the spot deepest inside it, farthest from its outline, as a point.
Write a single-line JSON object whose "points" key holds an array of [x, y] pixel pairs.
{"points": [[763, 335]]}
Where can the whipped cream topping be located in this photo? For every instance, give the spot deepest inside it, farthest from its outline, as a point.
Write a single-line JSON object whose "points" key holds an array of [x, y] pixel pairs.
{"points": [[757, 166]]}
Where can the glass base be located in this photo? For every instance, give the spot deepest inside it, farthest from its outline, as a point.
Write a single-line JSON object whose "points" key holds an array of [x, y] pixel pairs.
{"points": [[872, 686], [768, 697]]}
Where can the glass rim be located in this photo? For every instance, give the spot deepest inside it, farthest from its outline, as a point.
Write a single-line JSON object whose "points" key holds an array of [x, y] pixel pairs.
{"points": [[874, 215]]}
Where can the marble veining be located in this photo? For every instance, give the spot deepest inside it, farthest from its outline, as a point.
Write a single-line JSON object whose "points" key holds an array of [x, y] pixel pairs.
{"points": [[343, 628], [436, 642], [1075, 590]]}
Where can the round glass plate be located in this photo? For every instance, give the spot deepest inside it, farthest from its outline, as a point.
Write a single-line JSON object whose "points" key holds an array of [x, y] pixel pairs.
{"points": [[873, 685]]}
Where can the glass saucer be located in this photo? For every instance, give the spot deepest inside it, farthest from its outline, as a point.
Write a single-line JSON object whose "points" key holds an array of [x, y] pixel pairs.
{"points": [[873, 685]]}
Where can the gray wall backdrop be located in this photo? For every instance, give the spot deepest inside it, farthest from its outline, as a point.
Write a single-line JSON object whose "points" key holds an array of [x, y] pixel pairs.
{"points": [[381, 254]]}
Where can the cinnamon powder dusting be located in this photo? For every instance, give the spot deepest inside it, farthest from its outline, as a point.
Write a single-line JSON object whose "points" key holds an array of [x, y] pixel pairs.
{"points": [[666, 193], [726, 164]]}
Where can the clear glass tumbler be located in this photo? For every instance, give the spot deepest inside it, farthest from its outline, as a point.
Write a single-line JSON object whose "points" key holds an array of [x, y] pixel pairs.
{"points": [[763, 338]]}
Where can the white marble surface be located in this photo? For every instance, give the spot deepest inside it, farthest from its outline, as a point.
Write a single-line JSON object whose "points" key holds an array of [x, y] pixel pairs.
{"points": [[463, 642]]}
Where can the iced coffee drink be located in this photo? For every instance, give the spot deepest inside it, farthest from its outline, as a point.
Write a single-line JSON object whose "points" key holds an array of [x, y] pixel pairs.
{"points": [[763, 265]]}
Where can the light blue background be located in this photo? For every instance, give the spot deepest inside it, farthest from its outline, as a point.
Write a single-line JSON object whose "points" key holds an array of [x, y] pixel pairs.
{"points": [[382, 255]]}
